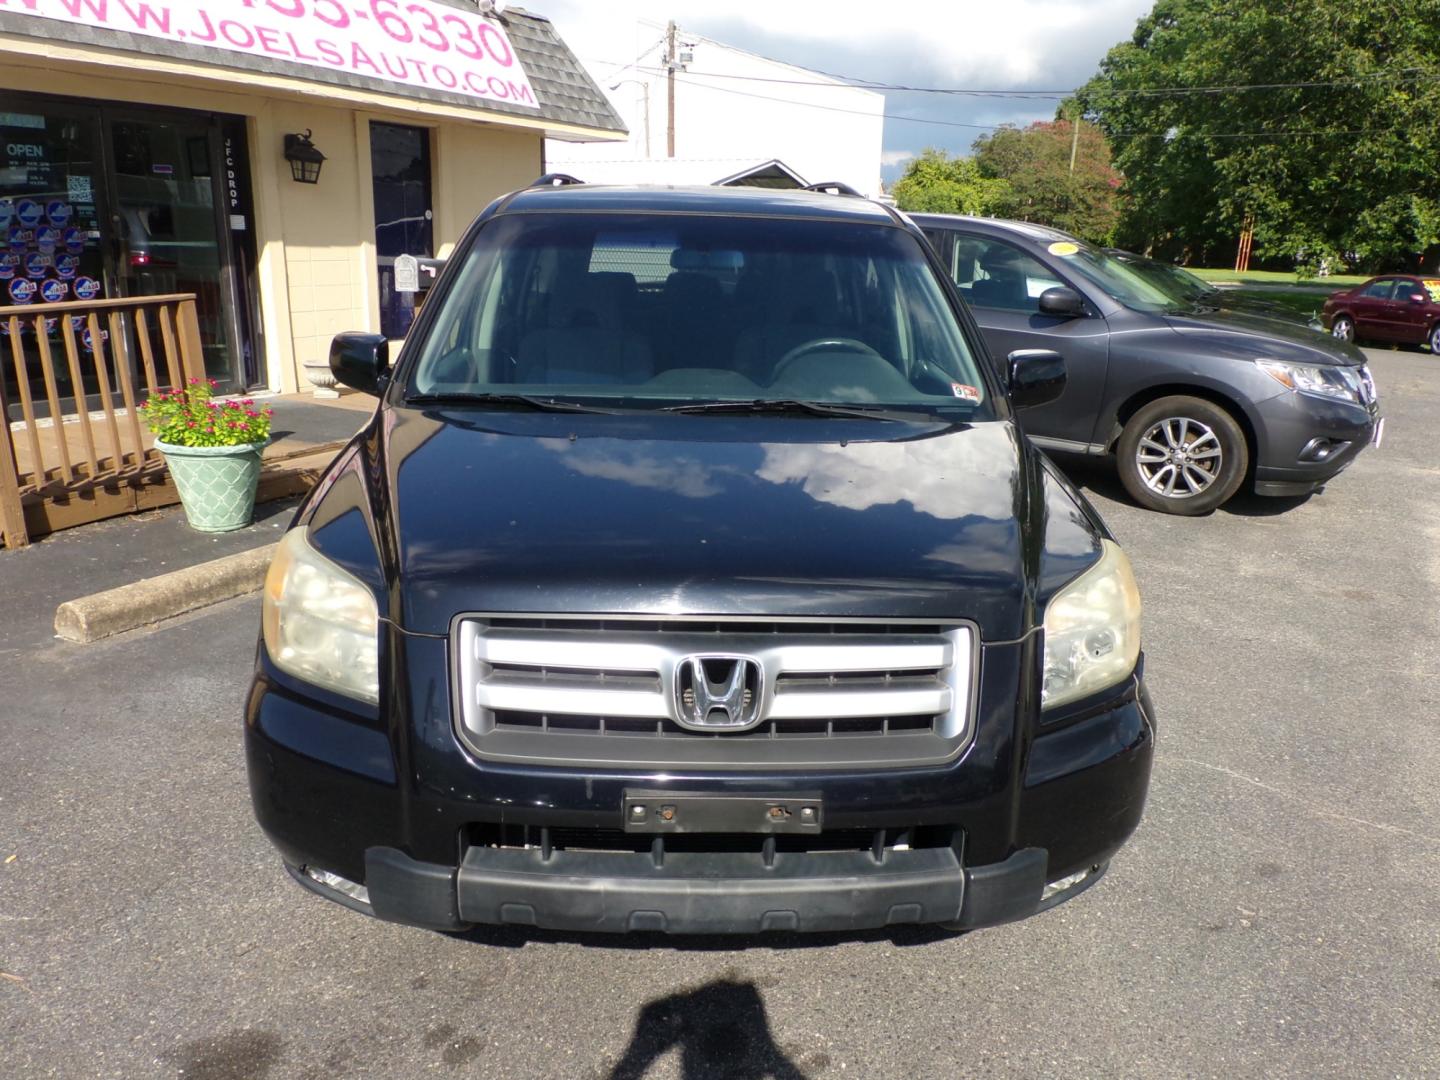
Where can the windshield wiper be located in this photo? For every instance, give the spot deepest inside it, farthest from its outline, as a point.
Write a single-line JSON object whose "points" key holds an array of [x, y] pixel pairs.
{"points": [[529, 401], [792, 405]]}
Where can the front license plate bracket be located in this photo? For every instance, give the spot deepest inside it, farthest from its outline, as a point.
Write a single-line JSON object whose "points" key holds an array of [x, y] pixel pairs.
{"points": [[710, 812]]}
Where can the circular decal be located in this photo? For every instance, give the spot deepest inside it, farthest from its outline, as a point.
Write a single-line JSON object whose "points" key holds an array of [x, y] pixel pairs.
{"points": [[89, 342], [59, 213], [67, 265], [37, 263], [77, 323], [53, 291], [47, 238], [9, 263], [74, 239], [22, 290], [1063, 247], [86, 288], [28, 212], [7, 211], [20, 237]]}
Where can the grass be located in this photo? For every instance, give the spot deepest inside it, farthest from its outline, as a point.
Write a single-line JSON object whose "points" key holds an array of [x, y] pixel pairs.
{"points": [[1278, 277]]}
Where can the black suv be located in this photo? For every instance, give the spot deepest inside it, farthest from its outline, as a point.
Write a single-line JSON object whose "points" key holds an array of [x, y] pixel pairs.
{"points": [[1194, 400], [692, 576]]}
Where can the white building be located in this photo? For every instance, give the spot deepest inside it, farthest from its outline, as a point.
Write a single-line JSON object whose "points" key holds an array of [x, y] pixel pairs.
{"points": [[735, 113]]}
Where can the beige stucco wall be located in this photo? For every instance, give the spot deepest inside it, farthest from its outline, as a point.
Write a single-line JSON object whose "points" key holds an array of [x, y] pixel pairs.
{"points": [[316, 243]]}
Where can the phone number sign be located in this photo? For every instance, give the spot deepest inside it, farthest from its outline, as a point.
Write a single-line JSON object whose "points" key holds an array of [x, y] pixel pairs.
{"points": [[412, 42]]}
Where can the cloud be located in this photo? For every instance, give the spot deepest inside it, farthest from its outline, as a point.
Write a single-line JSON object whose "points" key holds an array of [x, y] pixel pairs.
{"points": [[1019, 45], [896, 157]]}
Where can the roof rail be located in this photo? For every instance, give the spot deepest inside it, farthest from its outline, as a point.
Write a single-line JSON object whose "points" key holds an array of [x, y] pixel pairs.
{"points": [[554, 179], [833, 187]]}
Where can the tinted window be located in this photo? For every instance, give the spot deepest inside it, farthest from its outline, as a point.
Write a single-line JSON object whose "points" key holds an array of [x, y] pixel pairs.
{"points": [[699, 308], [992, 273], [1379, 290]]}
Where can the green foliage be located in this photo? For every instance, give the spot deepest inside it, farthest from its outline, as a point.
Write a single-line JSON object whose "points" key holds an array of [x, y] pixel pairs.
{"points": [[1344, 174], [936, 183], [1034, 163], [187, 416]]}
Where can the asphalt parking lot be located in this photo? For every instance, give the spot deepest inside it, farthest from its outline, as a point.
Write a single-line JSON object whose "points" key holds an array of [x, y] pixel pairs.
{"points": [[1276, 915]]}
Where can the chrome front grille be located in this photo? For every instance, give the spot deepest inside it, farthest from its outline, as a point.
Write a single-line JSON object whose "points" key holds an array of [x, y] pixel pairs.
{"points": [[613, 691]]}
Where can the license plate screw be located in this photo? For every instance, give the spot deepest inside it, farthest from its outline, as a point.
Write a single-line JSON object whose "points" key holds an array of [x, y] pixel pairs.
{"points": [[667, 813], [637, 812], [777, 812], [807, 813]]}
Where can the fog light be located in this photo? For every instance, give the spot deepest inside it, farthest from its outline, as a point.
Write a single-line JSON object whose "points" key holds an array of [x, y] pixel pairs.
{"points": [[1065, 884], [339, 884]]}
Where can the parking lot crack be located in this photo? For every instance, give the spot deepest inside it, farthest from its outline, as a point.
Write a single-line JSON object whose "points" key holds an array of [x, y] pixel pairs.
{"points": [[1319, 811]]}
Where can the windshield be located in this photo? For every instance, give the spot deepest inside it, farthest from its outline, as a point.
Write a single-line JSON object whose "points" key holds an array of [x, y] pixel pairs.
{"points": [[1180, 283], [1127, 283], [676, 309]]}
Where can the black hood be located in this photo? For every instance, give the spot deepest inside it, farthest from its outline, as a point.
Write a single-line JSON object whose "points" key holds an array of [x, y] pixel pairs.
{"points": [[1268, 338], [473, 511]]}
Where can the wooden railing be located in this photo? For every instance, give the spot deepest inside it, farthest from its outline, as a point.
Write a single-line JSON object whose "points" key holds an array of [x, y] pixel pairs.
{"points": [[61, 363]]}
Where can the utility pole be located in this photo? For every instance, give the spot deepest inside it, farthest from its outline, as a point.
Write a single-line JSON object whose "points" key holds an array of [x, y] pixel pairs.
{"points": [[1074, 139], [670, 88]]}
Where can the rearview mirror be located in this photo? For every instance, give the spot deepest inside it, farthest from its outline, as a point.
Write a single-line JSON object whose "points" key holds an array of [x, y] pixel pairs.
{"points": [[1037, 376], [360, 361], [1062, 302]]}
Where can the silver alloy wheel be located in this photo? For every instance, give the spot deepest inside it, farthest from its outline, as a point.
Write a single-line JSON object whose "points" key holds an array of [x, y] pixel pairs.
{"points": [[1435, 340], [1178, 457], [1343, 329]]}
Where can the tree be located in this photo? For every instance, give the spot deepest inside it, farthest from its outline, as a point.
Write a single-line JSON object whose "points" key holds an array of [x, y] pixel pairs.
{"points": [[1329, 149], [936, 183], [1035, 163]]}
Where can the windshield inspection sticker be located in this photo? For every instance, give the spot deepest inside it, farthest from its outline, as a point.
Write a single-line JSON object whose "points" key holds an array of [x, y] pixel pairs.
{"points": [[1063, 247], [964, 393]]}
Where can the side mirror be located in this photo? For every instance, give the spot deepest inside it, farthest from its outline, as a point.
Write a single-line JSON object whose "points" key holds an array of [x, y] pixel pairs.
{"points": [[360, 361], [1062, 302], [1037, 376], [1417, 298]]}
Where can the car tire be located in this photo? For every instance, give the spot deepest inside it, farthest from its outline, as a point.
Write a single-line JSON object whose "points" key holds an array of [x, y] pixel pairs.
{"points": [[1343, 328], [1434, 340], [1182, 455]]}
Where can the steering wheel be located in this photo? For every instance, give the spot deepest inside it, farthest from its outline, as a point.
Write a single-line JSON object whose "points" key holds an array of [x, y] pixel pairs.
{"points": [[829, 344]]}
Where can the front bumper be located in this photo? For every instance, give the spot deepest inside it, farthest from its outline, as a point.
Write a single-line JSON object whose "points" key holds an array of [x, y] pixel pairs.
{"points": [[703, 894], [393, 809], [1306, 441]]}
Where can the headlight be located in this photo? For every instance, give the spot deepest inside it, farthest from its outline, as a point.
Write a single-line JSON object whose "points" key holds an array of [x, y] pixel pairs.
{"points": [[1323, 380], [319, 622], [1092, 630]]}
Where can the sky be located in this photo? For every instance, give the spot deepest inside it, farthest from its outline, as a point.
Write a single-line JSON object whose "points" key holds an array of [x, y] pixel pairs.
{"points": [[970, 44]]}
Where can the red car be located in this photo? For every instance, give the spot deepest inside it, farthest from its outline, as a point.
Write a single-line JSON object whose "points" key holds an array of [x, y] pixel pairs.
{"points": [[1397, 308]]}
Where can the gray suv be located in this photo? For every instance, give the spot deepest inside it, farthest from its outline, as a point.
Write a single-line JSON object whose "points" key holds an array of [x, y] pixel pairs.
{"points": [[1193, 402]]}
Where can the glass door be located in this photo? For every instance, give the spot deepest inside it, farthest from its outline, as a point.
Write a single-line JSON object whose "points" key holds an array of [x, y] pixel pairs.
{"points": [[167, 232], [400, 167]]}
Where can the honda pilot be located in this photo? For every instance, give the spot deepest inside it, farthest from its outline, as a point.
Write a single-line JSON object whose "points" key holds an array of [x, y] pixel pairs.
{"points": [[693, 576]]}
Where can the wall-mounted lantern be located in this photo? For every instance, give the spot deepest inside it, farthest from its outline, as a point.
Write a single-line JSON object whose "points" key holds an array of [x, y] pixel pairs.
{"points": [[304, 157]]}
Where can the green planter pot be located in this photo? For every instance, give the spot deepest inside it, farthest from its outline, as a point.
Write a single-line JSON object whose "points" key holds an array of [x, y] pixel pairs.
{"points": [[217, 483]]}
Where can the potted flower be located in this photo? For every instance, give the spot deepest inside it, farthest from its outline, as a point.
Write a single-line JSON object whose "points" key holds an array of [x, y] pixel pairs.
{"points": [[213, 451]]}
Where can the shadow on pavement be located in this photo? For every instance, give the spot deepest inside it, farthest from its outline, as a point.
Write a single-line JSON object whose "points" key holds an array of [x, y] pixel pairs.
{"points": [[720, 1030]]}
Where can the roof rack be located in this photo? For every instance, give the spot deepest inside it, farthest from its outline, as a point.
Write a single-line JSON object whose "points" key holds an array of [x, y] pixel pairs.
{"points": [[833, 187], [554, 179]]}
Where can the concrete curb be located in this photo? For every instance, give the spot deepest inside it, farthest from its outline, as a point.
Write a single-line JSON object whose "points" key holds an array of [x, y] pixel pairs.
{"points": [[153, 600]]}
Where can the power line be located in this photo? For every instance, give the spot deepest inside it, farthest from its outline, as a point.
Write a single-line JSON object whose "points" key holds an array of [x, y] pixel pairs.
{"points": [[1168, 134], [831, 78]]}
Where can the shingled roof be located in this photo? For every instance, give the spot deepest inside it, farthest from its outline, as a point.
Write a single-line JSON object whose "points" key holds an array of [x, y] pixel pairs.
{"points": [[564, 90]]}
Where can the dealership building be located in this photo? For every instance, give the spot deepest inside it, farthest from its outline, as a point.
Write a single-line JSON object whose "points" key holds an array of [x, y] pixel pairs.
{"points": [[271, 157]]}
